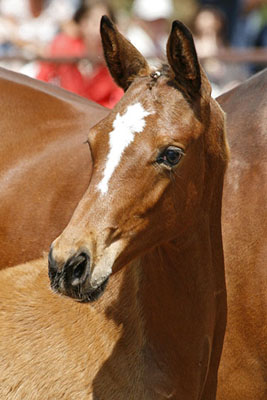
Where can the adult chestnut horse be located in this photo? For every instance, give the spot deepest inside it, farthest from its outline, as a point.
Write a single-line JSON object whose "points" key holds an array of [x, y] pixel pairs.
{"points": [[152, 216], [42, 130], [243, 370]]}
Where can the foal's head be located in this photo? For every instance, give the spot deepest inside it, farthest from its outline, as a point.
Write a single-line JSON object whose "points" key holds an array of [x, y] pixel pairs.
{"points": [[157, 159]]}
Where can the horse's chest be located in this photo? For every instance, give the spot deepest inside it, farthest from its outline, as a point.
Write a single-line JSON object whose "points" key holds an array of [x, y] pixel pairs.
{"points": [[132, 374]]}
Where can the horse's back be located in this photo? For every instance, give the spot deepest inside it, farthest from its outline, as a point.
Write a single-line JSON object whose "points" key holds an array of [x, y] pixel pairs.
{"points": [[42, 131], [34, 114], [243, 368], [246, 116]]}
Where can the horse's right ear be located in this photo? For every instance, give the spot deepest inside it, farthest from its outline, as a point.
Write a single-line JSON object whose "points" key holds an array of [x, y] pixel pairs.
{"points": [[182, 57], [124, 61]]}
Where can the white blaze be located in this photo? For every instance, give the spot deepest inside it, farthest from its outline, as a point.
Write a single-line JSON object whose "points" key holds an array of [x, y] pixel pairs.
{"points": [[124, 129]]}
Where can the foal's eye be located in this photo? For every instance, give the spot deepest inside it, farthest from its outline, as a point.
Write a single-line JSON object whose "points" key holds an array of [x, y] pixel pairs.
{"points": [[170, 156]]}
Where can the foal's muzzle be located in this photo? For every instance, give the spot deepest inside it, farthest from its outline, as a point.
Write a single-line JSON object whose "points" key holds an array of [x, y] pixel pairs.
{"points": [[72, 277], [75, 270]]}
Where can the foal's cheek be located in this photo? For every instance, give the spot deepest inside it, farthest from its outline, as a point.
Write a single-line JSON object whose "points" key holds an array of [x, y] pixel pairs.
{"points": [[192, 197]]}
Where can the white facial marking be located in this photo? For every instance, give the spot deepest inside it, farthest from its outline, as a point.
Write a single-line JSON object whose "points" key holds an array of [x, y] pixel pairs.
{"points": [[125, 127]]}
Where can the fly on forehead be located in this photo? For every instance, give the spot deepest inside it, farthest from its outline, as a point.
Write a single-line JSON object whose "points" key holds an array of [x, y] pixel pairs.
{"points": [[155, 76]]}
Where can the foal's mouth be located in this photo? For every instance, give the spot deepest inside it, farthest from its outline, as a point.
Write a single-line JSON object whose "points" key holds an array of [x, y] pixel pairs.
{"points": [[80, 293], [79, 277]]}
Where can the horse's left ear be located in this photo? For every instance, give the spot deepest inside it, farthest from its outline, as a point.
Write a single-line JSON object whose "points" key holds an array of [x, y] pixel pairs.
{"points": [[124, 61], [182, 57]]}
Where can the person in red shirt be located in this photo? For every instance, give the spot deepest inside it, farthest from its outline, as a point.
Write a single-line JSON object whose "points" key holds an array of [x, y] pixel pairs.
{"points": [[80, 39]]}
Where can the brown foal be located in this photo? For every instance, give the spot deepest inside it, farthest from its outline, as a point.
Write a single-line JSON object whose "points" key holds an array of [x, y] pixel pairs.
{"points": [[146, 235]]}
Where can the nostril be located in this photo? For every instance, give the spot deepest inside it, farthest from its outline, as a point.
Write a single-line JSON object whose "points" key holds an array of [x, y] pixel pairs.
{"points": [[79, 268], [52, 267]]}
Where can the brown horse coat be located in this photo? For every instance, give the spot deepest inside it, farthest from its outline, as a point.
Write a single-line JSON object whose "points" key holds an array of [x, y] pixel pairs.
{"points": [[42, 130], [29, 223], [152, 212], [243, 370]]}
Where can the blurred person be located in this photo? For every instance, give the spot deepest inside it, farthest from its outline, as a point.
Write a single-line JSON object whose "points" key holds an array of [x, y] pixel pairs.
{"points": [[230, 9], [251, 22], [31, 24], [37, 6], [210, 34], [148, 30], [251, 29], [261, 37], [209, 29], [81, 38]]}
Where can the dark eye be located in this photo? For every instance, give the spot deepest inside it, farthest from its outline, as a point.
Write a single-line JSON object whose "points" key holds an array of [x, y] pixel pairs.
{"points": [[170, 156]]}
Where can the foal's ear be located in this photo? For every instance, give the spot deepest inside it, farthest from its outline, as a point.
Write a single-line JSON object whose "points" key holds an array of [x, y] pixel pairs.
{"points": [[123, 59], [182, 57]]}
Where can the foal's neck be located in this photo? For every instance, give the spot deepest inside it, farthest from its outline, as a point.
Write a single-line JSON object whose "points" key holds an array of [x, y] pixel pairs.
{"points": [[174, 279], [169, 306], [177, 295]]}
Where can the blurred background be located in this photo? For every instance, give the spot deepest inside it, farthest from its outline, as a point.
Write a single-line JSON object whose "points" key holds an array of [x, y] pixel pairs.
{"points": [[58, 41]]}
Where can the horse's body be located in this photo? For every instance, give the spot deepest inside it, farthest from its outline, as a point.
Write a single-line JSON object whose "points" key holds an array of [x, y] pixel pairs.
{"points": [[152, 214], [42, 132], [36, 203], [243, 370]]}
